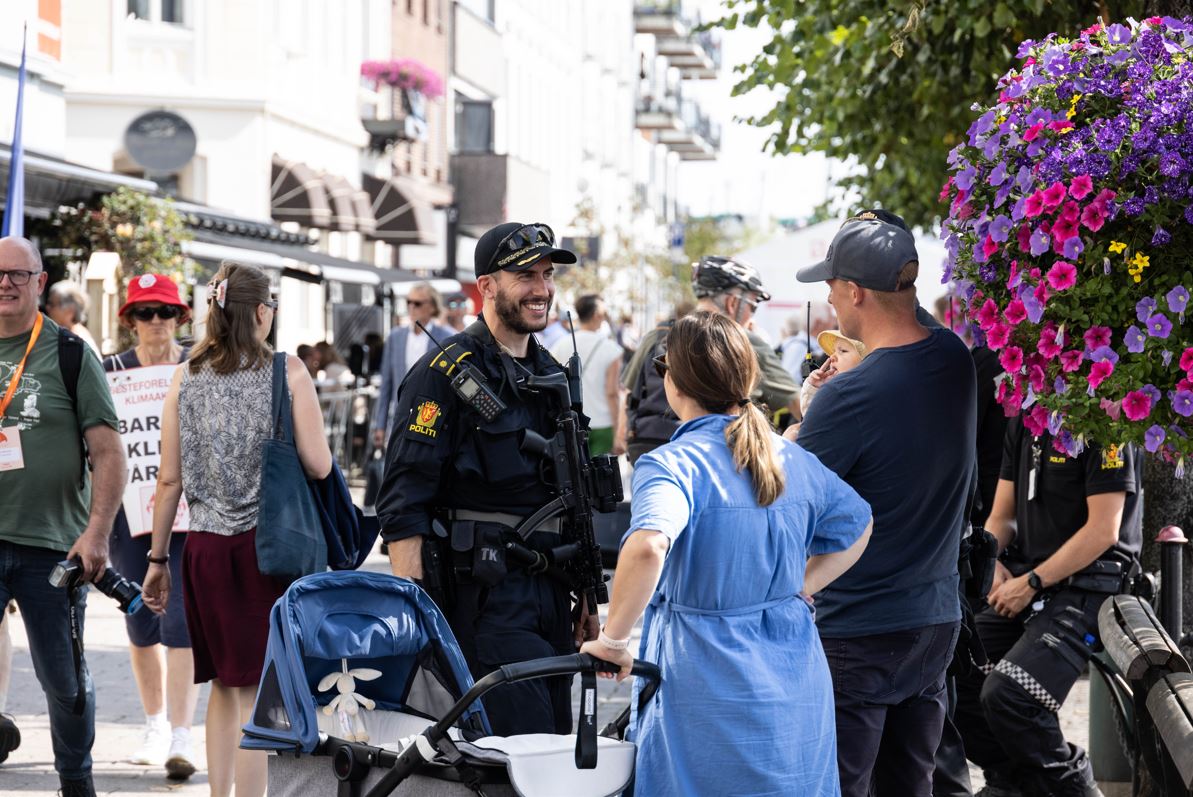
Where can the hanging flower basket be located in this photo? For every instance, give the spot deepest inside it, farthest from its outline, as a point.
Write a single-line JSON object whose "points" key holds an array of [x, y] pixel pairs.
{"points": [[407, 74], [1070, 230]]}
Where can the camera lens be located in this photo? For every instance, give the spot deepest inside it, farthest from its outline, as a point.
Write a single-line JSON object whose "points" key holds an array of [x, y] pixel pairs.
{"points": [[126, 593]]}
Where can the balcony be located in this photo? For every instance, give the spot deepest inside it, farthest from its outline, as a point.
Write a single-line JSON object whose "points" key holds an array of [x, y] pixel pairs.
{"points": [[697, 54], [698, 139], [658, 113]]}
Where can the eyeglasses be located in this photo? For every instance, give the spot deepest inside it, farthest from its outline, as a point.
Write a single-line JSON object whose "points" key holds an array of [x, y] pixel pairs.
{"points": [[660, 365], [165, 312], [18, 278], [522, 238], [455, 305], [272, 304], [753, 304], [416, 302]]}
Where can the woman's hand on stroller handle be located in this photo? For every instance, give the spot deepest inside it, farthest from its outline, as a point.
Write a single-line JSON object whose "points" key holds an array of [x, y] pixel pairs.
{"points": [[622, 658]]}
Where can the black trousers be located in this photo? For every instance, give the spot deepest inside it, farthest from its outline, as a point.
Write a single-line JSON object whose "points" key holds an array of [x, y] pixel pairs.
{"points": [[890, 705], [951, 776], [523, 617], [1008, 718]]}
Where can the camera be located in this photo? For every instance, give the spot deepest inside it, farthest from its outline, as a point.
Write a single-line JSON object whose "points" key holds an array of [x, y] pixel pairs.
{"points": [[127, 594], [811, 363]]}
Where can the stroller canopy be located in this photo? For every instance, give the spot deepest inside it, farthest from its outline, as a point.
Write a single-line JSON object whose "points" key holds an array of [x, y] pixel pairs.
{"points": [[372, 620]]}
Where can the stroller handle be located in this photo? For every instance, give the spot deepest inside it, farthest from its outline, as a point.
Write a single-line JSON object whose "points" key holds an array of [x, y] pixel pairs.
{"points": [[435, 739]]}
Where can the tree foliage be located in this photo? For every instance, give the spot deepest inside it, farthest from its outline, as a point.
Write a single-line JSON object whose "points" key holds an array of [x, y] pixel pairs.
{"points": [[888, 85]]}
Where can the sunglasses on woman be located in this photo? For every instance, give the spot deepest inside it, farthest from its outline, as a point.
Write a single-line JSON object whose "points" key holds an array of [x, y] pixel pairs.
{"points": [[660, 365], [165, 312], [525, 236]]}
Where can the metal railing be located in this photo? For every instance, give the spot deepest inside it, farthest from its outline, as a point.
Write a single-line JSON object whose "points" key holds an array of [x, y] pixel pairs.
{"points": [[347, 413]]}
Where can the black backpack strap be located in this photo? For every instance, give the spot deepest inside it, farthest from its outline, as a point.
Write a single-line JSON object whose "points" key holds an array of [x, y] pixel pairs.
{"points": [[70, 364]]}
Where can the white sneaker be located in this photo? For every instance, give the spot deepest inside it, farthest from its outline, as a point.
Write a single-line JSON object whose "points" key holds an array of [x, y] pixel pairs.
{"points": [[154, 745], [180, 763]]}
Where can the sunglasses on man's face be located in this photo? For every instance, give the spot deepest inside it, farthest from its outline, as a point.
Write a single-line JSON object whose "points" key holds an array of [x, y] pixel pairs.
{"points": [[165, 312], [660, 365], [525, 236], [416, 302]]}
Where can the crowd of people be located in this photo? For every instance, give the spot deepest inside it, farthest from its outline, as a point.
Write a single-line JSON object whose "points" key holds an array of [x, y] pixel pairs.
{"points": [[797, 550]]}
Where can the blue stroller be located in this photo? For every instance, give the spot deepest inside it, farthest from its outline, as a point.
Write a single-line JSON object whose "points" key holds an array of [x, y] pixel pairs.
{"points": [[364, 691]]}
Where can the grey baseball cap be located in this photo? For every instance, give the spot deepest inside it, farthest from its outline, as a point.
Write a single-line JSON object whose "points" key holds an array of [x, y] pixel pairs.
{"points": [[868, 251]]}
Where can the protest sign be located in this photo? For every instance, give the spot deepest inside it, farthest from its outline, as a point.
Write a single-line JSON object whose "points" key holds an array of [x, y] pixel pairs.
{"points": [[139, 395]]}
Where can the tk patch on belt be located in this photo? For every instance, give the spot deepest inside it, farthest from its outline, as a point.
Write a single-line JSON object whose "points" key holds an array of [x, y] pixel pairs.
{"points": [[425, 420]]}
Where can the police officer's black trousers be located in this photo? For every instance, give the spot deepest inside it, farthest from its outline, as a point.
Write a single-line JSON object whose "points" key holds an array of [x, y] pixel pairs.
{"points": [[1008, 718], [523, 617]]}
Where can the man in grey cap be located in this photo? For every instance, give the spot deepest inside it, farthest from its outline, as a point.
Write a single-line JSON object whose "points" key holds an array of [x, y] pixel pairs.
{"points": [[899, 429]]}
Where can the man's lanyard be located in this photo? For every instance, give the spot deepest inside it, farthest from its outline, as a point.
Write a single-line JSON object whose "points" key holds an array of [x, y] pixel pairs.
{"points": [[16, 375]]}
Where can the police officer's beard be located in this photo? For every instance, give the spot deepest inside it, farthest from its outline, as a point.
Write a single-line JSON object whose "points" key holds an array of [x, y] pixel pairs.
{"points": [[510, 313]]}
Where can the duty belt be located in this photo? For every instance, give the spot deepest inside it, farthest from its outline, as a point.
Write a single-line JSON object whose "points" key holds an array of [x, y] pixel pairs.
{"points": [[551, 525]]}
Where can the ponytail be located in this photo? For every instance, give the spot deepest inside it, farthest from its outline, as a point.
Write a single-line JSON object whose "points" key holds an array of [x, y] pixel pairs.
{"points": [[751, 440]]}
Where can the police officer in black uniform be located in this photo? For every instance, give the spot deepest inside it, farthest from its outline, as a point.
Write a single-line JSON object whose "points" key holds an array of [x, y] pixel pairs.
{"points": [[1070, 528], [457, 482]]}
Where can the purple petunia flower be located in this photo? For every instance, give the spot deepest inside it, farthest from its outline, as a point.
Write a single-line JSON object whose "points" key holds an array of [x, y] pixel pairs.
{"points": [[1153, 438], [1023, 180], [1000, 196], [1073, 247], [1144, 308], [1160, 237], [1135, 339], [1172, 164], [1182, 403], [1133, 206], [1055, 419], [1103, 353], [965, 178], [1178, 299], [1040, 243], [1118, 34], [1000, 228], [999, 175], [1189, 214], [1158, 326], [1025, 48], [1151, 391], [1060, 386], [1166, 357], [1033, 306]]}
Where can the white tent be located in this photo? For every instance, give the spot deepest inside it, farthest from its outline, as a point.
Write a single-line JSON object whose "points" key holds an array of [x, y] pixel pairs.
{"points": [[778, 259]]}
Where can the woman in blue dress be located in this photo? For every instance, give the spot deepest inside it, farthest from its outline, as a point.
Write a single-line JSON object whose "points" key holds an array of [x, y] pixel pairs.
{"points": [[732, 526]]}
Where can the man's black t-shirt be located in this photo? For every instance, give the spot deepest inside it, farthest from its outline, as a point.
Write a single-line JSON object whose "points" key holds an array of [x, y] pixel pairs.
{"points": [[899, 428], [1063, 483]]}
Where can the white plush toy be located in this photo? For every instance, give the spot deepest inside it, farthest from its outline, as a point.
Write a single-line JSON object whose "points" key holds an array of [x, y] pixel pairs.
{"points": [[346, 702]]}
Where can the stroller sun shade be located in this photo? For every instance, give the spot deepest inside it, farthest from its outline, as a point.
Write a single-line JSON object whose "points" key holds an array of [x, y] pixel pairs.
{"points": [[370, 620]]}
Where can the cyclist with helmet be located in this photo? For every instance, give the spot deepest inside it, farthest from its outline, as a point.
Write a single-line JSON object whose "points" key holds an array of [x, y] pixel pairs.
{"points": [[729, 287]]}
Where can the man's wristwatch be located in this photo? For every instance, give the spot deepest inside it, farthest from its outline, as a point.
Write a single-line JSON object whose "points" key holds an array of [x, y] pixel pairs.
{"points": [[156, 560], [1033, 581]]}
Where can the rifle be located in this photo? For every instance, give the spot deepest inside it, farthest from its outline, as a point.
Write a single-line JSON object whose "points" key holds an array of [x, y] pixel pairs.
{"points": [[583, 484]]}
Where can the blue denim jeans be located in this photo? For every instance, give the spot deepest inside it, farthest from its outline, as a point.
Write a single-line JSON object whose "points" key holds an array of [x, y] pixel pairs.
{"points": [[24, 575]]}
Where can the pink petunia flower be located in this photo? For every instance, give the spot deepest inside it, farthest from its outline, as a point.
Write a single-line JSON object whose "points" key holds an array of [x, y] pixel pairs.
{"points": [[1137, 405], [1081, 186], [1054, 195], [1037, 378], [1048, 346], [1062, 231], [1104, 196], [1093, 217], [1111, 408], [1015, 312], [1070, 211], [1036, 421], [987, 315], [1060, 125], [1096, 337], [1187, 359], [1011, 359], [1070, 361], [997, 336], [1024, 236], [989, 247], [1098, 373], [1034, 205], [1030, 133], [1062, 276]]}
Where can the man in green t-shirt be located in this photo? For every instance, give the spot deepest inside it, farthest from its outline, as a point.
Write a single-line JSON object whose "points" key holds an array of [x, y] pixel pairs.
{"points": [[53, 508]]}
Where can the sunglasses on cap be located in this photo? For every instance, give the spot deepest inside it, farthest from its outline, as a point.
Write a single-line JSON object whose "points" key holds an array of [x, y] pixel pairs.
{"points": [[165, 312], [524, 237], [660, 365]]}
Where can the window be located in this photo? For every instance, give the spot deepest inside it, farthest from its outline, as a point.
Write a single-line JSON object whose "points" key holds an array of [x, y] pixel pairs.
{"points": [[169, 12], [474, 125]]}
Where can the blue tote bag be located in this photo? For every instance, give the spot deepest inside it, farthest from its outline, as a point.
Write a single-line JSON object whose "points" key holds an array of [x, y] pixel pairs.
{"points": [[290, 540]]}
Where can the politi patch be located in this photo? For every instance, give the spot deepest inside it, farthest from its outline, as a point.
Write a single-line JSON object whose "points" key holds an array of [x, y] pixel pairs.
{"points": [[425, 419]]}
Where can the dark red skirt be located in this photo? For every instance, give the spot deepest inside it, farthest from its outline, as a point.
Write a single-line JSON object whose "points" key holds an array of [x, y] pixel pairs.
{"points": [[227, 606]]}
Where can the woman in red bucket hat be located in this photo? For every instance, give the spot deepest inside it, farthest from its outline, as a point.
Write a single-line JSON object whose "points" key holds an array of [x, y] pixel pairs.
{"points": [[159, 645]]}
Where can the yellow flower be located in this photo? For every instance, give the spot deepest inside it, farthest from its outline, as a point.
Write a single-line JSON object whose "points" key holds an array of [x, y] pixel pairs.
{"points": [[1141, 260], [1137, 278], [1116, 247], [124, 230]]}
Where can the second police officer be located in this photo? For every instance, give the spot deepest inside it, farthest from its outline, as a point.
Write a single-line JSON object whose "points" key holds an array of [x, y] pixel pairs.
{"points": [[457, 482], [1070, 528]]}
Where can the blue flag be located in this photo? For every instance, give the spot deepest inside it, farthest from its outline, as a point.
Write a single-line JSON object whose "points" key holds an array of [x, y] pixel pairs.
{"points": [[14, 210]]}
